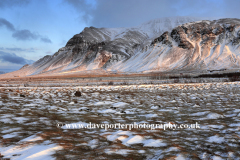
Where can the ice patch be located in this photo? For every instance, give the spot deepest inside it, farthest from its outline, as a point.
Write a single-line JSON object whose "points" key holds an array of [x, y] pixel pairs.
{"points": [[180, 157], [103, 103], [6, 118], [93, 143], [135, 140], [52, 107], [236, 110], [28, 152], [118, 151], [154, 107], [151, 115], [216, 139], [30, 105], [196, 105], [199, 113], [141, 151], [95, 94], [32, 139], [10, 130], [11, 135], [216, 158], [216, 126], [154, 143], [120, 104], [21, 119], [235, 125], [214, 116], [107, 111]]}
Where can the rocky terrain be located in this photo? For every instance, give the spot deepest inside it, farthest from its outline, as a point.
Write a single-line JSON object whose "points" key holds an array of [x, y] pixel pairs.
{"points": [[199, 46], [34, 119]]}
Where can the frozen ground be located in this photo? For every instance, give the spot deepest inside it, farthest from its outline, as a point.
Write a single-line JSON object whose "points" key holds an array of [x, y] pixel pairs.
{"points": [[29, 117]]}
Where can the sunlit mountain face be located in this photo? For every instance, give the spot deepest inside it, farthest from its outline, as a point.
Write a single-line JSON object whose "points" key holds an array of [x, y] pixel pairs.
{"points": [[176, 44]]}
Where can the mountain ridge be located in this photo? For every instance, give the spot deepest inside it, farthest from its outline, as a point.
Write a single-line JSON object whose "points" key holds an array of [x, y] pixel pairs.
{"points": [[167, 44]]}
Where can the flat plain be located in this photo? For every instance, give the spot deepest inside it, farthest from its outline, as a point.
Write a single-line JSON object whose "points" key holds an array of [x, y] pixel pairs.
{"points": [[29, 117]]}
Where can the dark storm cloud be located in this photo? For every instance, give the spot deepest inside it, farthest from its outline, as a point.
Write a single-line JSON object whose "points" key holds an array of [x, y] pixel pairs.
{"points": [[126, 13], [46, 40], [7, 24], [13, 58], [12, 3]]}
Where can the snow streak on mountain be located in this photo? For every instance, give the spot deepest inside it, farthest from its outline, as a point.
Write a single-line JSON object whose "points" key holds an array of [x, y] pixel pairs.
{"points": [[168, 44]]}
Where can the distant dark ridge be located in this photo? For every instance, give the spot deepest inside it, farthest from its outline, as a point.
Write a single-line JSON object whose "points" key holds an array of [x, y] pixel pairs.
{"points": [[234, 76]]}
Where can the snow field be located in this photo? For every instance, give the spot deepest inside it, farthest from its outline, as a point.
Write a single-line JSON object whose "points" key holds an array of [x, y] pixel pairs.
{"points": [[29, 123]]}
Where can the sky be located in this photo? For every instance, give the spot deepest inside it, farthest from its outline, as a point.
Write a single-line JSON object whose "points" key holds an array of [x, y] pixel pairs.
{"points": [[32, 29]]}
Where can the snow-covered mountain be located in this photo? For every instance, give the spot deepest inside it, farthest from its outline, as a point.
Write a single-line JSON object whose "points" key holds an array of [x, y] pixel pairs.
{"points": [[198, 46], [166, 44]]}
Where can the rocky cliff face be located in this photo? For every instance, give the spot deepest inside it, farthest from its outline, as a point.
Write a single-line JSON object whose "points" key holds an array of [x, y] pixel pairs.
{"points": [[168, 44], [199, 46]]}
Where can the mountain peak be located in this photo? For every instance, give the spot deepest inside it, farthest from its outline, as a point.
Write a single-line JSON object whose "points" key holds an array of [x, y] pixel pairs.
{"points": [[174, 44]]}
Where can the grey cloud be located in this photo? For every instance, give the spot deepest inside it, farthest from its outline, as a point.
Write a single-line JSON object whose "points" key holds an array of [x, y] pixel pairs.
{"points": [[18, 49], [7, 24], [13, 58], [46, 40], [127, 13], [202, 8], [83, 8], [25, 35], [123, 13], [12, 3], [15, 49], [81, 5], [28, 35]]}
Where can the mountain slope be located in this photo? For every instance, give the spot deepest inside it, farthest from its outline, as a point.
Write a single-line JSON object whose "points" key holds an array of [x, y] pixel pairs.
{"points": [[198, 46], [167, 44]]}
